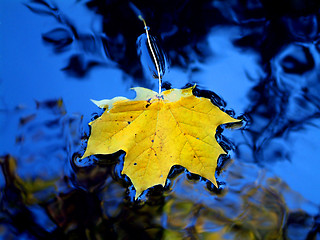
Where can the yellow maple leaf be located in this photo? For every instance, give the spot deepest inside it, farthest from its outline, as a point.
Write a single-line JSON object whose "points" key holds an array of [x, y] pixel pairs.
{"points": [[158, 131]]}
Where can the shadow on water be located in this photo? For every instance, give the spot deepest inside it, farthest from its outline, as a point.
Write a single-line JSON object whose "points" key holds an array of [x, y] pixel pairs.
{"points": [[48, 192]]}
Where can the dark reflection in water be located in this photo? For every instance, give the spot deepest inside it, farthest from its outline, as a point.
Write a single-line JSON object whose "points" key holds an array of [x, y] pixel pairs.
{"points": [[48, 192], [253, 207]]}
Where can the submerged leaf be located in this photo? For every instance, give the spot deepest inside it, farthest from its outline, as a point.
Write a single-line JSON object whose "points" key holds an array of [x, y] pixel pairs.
{"points": [[158, 132]]}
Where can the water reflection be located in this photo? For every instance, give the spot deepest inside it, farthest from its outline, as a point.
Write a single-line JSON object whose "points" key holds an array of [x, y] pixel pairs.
{"points": [[48, 193], [68, 36], [146, 57], [253, 206], [183, 34]]}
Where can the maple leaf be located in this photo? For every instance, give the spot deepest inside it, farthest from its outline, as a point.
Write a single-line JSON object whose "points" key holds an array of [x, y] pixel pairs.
{"points": [[158, 131]]}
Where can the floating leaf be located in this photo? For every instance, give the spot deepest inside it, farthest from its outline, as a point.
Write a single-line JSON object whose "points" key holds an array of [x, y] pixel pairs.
{"points": [[158, 131]]}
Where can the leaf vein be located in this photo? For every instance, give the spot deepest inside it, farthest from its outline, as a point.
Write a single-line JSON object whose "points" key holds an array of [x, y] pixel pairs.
{"points": [[187, 141]]}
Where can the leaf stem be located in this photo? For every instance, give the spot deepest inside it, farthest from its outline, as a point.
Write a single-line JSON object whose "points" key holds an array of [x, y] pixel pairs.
{"points": [[152, 52]]}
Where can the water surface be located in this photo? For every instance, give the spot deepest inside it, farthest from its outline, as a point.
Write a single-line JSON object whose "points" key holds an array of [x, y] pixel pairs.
{"points": [[257, 60]]}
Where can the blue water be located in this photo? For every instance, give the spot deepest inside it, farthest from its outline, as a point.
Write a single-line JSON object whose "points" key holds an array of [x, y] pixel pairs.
{"points": [[260, 59]]}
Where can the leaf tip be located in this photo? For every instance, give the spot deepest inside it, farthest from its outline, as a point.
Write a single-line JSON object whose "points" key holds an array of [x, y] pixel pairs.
{"points": [[138, 193], [215, 182], [108, 103], [85, 155], [100, 104]]}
